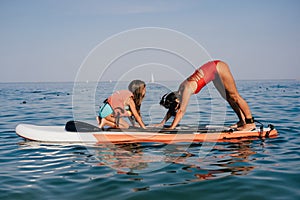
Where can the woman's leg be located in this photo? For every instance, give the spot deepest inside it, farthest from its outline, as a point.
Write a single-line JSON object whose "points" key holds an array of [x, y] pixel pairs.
{"points": [[238, 104], [219, 85]]}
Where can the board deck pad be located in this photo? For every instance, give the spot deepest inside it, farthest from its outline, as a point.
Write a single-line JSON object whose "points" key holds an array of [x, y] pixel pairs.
{"points": [[79, 126]]}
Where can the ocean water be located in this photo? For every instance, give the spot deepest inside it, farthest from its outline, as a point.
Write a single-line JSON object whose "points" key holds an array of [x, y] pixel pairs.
{"points": [[250, 169]]}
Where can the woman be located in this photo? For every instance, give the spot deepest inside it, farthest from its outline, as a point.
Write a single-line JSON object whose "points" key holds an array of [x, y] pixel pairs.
{"points": [[123, 103], [218, 72]]}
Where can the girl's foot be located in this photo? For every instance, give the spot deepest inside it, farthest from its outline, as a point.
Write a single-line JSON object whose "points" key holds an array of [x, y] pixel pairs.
{"points": [[98, 120], [101, 121]]}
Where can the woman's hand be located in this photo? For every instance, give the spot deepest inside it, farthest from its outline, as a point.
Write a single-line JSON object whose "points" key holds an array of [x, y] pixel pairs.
{"points": [[156, 125], [167, 128]]}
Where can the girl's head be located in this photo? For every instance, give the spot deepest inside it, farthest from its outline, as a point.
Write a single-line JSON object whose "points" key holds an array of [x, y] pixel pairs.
{"points": [[138, 89], [171, 101]]}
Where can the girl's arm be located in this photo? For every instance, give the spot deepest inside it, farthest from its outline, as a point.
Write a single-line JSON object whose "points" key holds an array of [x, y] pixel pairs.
{"points": [[135, 113]]}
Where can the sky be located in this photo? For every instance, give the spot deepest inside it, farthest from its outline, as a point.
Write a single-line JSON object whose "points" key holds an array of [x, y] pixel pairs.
{"points": [[52, 40]]}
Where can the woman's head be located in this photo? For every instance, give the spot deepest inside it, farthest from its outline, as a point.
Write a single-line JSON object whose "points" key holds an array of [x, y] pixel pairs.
{"points": [[138, 89], [170, 101]]}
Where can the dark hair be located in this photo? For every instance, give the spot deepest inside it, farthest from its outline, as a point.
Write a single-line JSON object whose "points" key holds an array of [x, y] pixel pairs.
{"points": [[136, 87], [169, 102]]}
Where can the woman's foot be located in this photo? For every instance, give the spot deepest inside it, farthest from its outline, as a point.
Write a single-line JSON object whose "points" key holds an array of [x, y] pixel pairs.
{"points": [[237, 125], [247, 127]]}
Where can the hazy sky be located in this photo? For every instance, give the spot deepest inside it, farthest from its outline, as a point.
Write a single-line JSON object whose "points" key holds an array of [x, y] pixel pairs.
{"points": [[48, 40]]}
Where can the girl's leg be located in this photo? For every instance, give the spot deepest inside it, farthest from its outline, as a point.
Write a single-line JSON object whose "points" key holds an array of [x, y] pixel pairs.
{"points": [[107, 121], [111, 121], [233, 97], [123, 123]]}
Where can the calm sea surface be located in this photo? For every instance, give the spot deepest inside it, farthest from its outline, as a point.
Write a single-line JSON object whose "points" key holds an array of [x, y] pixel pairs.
{"points": [[257, 169]]}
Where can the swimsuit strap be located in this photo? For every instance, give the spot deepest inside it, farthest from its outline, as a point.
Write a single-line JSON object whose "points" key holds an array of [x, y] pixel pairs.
{"points": [[196, 76], [208, 74]]}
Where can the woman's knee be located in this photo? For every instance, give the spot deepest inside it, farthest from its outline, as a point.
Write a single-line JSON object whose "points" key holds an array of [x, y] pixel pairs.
{"points": [[222, 67], [233, 97]]}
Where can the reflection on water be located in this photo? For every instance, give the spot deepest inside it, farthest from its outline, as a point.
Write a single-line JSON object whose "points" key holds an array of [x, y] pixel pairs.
{"points": [[175, 164], [224, 159], [181, 161]]}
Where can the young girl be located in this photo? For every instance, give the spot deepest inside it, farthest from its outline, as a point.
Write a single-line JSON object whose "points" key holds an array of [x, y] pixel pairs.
{"points": [[218, 72], [123, 103]]}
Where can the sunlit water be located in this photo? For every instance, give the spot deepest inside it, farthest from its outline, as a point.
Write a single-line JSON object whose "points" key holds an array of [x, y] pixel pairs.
{"points": [[257, 169]]}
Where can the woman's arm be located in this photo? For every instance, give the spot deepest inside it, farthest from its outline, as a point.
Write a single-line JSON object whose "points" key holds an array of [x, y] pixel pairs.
{"points": [[177, 118], [186, 92], [165, 119], [135, 113]]}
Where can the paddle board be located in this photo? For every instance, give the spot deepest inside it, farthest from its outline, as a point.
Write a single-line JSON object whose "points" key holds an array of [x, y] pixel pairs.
{"points": [[80, 132]]}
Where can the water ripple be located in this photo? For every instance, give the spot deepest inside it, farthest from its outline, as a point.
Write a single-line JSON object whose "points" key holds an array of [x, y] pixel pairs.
{"points": [[260, 169]]}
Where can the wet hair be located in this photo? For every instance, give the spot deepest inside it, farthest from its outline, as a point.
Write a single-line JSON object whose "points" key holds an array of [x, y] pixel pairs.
{"points": [[136, 87], [169, 102]]}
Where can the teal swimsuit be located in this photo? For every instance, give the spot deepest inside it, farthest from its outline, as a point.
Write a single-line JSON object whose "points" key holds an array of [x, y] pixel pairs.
{"points": [[105, 110]]}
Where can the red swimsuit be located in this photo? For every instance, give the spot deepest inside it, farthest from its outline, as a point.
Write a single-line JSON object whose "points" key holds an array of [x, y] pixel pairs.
{"points": [[209, 71]]}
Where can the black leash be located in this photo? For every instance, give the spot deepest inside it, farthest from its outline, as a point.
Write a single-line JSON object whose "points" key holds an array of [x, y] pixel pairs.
{"points": [[261, 128]]}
